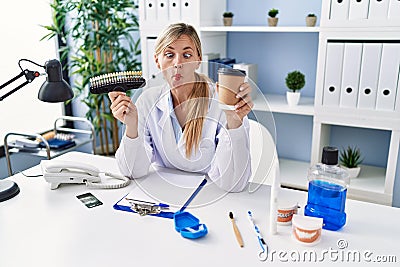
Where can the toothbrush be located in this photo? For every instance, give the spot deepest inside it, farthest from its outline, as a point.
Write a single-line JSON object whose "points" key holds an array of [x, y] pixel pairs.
{"points": [[236, 230], [263, 245]]}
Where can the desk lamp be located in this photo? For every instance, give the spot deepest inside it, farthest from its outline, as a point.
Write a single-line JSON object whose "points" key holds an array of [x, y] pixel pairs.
{"points": [[53, 90]]}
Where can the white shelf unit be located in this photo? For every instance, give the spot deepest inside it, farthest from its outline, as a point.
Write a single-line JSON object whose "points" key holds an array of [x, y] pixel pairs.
{"points": [[340, 25], [374, 184], [258, 29]]}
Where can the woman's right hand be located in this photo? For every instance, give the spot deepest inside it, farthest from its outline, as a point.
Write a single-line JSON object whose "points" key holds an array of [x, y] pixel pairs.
{"points": [[125, 111]]}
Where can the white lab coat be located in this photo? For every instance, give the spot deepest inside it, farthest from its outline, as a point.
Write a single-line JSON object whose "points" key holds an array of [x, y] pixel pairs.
{"points": [[223, 154]]}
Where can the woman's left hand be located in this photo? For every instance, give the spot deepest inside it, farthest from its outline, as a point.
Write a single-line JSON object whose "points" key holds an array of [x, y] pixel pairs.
{"points": [[242, 108]]}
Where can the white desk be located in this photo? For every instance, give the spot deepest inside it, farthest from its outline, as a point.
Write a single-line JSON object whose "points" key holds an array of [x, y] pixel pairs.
{"points": [[43, 227]]}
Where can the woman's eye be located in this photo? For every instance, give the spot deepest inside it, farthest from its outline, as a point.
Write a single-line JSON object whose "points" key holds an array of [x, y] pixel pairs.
{"points": [[187, 55], [169, 55]]}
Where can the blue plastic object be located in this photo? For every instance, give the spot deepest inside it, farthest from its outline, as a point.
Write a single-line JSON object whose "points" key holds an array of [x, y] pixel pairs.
{"points": [[189, 226], [327, 189], [327, 200]]}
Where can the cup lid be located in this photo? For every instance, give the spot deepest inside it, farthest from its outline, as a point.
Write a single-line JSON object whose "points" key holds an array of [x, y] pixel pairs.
{"points": [[230, 71]]}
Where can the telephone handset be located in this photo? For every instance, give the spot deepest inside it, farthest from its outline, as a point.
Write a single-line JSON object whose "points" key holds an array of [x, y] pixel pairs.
{"points": [[57, 172]]}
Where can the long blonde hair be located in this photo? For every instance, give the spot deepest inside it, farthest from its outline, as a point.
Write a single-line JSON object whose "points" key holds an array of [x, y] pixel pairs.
{"points": [[198, 99]]}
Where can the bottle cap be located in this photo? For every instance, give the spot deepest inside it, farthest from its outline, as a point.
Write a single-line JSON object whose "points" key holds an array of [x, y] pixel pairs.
{"points": [[330, 155]]}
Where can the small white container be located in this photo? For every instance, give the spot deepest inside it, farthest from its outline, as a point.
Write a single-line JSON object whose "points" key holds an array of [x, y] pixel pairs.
{"points": [[306, 230], [285, 212]]}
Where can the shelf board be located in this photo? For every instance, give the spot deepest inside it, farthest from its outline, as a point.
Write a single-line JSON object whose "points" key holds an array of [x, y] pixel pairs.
{"points": [[371, 179], [277, 103], [369, 186], [258, 29]]}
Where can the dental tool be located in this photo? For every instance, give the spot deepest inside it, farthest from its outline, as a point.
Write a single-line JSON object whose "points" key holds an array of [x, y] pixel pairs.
{"points": [[263, 254]]}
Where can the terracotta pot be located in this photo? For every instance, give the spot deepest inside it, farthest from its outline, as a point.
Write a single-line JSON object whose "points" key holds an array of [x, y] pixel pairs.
{"points": [[228, 21], [272, 21], [311, 21]]}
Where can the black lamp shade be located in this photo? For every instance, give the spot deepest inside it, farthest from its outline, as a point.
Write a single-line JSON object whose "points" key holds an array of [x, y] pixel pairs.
{"points": [[55, 89]]}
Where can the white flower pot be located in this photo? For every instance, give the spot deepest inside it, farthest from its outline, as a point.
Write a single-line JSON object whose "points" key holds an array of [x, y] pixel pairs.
{"points": [[292, 98], [353, 172]]}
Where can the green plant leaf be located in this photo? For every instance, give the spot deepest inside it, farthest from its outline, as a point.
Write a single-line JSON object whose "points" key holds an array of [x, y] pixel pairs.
{"points": [[95, 28], [350, 157], [295, 80]]}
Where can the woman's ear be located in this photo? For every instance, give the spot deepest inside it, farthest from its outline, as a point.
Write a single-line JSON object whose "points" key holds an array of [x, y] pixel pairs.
{"points": [[156, 60]]}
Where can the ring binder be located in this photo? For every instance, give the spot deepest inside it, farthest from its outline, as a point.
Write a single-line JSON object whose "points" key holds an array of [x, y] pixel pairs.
{"points": [[358, 9], [333, 73], [389, 72], [339, 10], [369, 74], [378, 9], [394, 10], [351, 74], [162, 10]]}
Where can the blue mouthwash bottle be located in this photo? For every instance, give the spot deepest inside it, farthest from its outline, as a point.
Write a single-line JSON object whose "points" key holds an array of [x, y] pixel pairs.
{"points": [[327, 189]]}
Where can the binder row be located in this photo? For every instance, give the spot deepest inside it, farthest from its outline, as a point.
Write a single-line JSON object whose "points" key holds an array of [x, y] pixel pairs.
{"points": [[365, 10], [168, 10], [362, 75]]}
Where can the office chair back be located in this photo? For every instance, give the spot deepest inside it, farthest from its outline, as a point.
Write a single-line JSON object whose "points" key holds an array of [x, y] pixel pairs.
{"points": [[264, 158]]}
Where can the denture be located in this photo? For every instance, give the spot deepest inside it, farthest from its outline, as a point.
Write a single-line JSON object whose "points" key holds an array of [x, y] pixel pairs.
{"points": [[307, 230], [285, 214]]}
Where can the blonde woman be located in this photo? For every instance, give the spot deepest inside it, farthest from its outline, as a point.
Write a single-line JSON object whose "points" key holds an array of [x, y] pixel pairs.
{"points": [[179, 124]]}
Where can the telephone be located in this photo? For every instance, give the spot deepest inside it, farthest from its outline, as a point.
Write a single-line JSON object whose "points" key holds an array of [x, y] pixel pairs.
{"points": [[57, 172]]}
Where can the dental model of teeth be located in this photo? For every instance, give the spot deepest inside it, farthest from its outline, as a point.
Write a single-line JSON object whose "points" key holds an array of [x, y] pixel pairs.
{"points": [[306, 230]]}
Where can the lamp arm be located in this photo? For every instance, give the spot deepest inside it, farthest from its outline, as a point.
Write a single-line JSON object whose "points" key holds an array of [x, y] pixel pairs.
{"points": [[29, 75], [12, 80]]}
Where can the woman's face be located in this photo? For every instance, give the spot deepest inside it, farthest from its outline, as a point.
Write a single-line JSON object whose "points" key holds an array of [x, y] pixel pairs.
{"points": [[179, 61]]}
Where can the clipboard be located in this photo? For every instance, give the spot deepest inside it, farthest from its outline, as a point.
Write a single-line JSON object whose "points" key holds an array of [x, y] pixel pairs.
{"points": [[168, 179], [124, 205]]}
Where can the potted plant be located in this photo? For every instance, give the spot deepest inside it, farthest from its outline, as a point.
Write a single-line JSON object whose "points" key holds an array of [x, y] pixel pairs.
{"points": [[272, 19], [99, 37], [227, 18], [295, 81], [311, 20], [350, 159]]}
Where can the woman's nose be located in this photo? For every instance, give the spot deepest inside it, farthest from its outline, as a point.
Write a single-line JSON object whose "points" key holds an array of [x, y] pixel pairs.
{"points": [[178, 63], [178, 66]]}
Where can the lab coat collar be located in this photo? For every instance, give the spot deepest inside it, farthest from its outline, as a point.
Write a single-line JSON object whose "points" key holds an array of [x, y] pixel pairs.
{"points": [[163, 107]]}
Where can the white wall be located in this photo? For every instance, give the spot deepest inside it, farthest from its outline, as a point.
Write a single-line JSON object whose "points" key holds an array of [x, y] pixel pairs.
{"points": [[20, 35]]}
